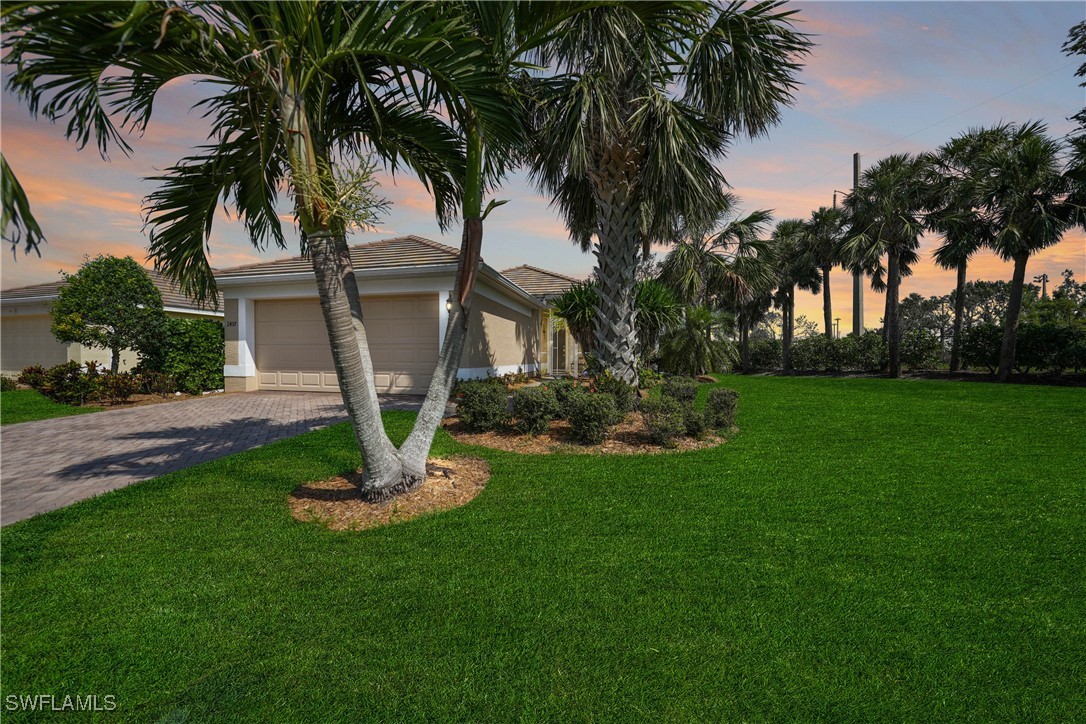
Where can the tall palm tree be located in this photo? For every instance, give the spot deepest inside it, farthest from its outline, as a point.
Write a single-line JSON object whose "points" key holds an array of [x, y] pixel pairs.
{"points": [[796, 267], [887, 220], [626, 138], [1024, 189], [956, 215], [299, 95], [825, 231]]}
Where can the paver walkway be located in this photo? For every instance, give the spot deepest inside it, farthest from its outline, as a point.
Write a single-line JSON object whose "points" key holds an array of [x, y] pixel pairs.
{"points": [[47, 464]]}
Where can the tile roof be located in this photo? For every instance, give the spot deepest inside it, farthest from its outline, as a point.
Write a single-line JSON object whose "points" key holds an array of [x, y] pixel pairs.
{"points": [[400, 252], [171, 295], [539, 282]]}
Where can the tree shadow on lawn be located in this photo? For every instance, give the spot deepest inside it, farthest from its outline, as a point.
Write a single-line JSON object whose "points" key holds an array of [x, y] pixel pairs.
{"points": [[182, 447]]}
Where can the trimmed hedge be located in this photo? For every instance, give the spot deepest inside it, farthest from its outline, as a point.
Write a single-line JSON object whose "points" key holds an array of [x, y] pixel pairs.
{"points": [[720, 408], [591, 416], [665, 419], [192, 353], [533, 409], [683, 389], [483, 405]]}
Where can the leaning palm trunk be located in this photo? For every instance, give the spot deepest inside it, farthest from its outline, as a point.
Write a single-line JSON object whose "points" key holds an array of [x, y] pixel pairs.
{"points": [[1014, 309], [343, 319], [827, 308], [893, 334], [959, 315], [618, 252]]}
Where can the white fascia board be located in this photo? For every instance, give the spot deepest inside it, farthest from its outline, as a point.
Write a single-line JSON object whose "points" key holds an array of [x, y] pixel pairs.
{"points": [[29, 300], [413, 280], [185, 310]]}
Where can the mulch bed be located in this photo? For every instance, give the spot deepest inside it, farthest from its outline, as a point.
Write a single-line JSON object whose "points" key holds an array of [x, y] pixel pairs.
{"points": [[627, 438], [337, 504]]}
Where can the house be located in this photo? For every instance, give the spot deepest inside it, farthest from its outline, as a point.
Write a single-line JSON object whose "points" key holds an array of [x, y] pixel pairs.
{"points": [[25, 322], [276, 337], [563, 354]]}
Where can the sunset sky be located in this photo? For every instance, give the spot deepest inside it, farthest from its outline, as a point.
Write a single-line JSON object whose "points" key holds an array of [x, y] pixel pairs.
{"points": [[885, 77]]}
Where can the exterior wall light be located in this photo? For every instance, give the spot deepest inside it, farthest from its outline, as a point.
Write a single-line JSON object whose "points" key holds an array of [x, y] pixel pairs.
{"points": [[449, 304]]}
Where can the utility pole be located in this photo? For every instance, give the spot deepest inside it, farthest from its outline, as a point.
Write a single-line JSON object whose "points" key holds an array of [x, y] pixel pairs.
{"points": [[837, 326], [1043, 279], [858, 277]]}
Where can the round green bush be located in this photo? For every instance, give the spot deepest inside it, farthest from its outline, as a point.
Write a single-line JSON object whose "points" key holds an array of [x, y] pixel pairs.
{"points": [[623, 392], [533, 409], [665, 419], [483, 405], [683, 389], [720, 408], [6, 384], [590, 417]]}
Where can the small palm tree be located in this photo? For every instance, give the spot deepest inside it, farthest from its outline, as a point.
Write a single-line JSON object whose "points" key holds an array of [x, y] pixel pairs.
{"points": [[1025, 191], [887, 220], [825, 231], [626, 139], [796, 267], [699, 344], [657, 310]]}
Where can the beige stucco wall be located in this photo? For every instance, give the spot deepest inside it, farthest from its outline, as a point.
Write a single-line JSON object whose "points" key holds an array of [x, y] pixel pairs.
{"points": [[499, 336]]}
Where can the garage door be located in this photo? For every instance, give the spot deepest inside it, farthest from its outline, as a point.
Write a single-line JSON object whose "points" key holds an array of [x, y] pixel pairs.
{"points": [[27, 341], [292, 350]]}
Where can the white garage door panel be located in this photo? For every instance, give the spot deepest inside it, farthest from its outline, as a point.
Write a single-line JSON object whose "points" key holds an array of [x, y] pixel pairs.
{"points": [[292, 350], [27, 341]]}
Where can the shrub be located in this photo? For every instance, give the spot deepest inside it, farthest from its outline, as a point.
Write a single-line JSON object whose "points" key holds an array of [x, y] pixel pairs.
{"points": [[981, 344], [720, 408], [813, 354], [765, 354], [68, 384], [6, 384], [590, 416], [33, 377], [683, 389], [1043, 347], [158, 383], [920, 349], [564, 392], [866, 353], [649, 378], [119, 387], [622, 391], [694, 421], [664, 417], [483, 405], [533, 409], [193, 353]]}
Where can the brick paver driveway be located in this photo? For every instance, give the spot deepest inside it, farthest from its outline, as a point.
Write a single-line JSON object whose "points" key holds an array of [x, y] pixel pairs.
{"points": [[48, 464]]}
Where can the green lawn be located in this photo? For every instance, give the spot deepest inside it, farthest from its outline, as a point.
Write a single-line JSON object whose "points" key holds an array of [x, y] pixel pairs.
{"points": [[862, 550], [26, 405]]}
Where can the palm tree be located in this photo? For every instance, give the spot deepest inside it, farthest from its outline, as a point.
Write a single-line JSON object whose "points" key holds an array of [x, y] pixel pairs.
{"points": [[956, 215], [626, 139], [710, 262], [657, 310], [824, 234], [299, 95], [18, 225], [796, 267], [697, 345], [1024, 189], [886, 212]]}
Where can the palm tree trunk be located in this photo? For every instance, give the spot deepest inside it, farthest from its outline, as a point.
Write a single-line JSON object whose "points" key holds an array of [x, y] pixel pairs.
{"points": [[787, 330], [383, 472], [744, 346], [893, 333], [115, 362], [959, 318], [827, 308], [617, 254], [1014, 309]]}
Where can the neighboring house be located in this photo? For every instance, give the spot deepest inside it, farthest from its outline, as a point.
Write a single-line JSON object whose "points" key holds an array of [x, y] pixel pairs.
{"points": [[562, 355], [276, 337], [25, 338]]}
